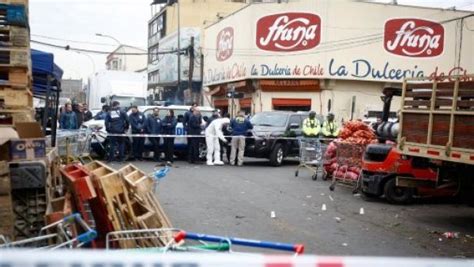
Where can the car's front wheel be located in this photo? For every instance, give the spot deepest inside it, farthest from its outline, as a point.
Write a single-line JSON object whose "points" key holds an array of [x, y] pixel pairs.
{"points": [[277, 155]]}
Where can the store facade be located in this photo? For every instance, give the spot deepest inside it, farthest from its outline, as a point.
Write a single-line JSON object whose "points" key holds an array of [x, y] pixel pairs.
{"points": [[320, 56]]}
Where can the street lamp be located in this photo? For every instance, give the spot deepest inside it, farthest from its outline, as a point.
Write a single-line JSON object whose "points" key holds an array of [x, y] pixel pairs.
{"points": [[90, 58], [120, 45]]}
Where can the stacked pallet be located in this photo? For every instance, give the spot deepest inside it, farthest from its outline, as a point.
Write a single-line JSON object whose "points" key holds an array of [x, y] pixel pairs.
{"points": [[6, 205], [16, 98]]}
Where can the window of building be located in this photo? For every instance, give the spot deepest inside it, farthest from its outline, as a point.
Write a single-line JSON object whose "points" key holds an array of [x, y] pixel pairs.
{"points": [[158, 27], [114, 65], [153, 54]]}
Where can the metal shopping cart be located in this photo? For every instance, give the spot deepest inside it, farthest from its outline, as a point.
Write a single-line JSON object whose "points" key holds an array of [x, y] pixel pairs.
{"points": [[349, 157], [311, 156], [173, 240], [60, 234], [74, 145]]}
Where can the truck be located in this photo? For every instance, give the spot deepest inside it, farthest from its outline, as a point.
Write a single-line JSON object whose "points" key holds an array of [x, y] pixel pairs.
{"points": [[432, 153], [106, 86]]}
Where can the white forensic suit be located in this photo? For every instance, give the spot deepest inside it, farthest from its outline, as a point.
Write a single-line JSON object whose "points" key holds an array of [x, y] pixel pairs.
{"points": [[213, 134]]}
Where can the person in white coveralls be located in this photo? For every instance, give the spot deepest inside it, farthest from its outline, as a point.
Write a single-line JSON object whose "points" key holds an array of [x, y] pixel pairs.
{"points": [[213, 134]]}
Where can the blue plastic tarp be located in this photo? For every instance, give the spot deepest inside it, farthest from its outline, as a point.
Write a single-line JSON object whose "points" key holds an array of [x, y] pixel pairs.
{"points": [[43, 65]]}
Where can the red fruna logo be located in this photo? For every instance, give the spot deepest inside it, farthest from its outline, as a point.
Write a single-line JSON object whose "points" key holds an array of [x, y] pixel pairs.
{"points": [[288, 32], [225, 44], [414, 37]]}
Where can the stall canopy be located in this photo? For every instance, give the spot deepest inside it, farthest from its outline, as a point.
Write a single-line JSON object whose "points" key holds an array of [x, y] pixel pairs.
{"points": [[43, 66]]}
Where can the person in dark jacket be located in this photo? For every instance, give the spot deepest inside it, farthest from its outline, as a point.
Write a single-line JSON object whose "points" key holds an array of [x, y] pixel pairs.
{"points": [[116, 122], [77, 108], [87, 112], [154, 126], [194, 128], [187, 116], [103, 113], [169, 128], [240, 126], [68, 120], [137, 122], [215, 115]]}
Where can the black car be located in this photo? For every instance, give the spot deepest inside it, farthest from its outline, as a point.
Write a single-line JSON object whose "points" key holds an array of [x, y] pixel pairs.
{"points": [[269, 132]]}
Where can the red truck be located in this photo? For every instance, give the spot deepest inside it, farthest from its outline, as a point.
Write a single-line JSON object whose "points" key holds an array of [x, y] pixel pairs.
{"points": [[433, 152]]}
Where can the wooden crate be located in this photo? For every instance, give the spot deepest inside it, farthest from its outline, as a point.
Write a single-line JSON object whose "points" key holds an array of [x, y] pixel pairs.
{"points": [[29, 206], [15, 99], [14, 36], [15, 2], [15, 78], [14, 14], [15, 57], [6, 206], [8, 117]]}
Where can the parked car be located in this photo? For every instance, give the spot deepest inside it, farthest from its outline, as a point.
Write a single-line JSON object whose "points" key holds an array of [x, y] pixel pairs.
{"points": [[269, 132]]}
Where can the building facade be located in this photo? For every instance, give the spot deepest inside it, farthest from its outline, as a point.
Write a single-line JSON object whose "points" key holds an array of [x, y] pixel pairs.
{"points": [[194, 15], [127, 58], [73, 89], [330, 56]]}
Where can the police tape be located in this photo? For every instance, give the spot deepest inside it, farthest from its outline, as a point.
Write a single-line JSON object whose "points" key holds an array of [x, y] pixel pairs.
{"points": [[225, 136], [102, 258]]}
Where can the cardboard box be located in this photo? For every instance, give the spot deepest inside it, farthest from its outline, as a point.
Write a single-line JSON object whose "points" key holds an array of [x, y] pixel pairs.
{"points": [[30, 144]]}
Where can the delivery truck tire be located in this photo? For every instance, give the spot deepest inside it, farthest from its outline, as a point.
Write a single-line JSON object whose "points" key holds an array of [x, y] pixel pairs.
{"points": [[398, 195]]}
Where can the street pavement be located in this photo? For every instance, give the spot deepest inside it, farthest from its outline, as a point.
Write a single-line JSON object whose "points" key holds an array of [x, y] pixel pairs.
{"points": [[238, 201]]}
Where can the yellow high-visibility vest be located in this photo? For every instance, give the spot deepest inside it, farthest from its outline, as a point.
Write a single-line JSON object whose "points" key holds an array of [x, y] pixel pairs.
{"points": [[311, 127]]}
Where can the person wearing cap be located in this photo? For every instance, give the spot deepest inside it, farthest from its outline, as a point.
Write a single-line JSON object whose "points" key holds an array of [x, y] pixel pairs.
{"points": [[330, 128], [311, 126], [116, 122]]}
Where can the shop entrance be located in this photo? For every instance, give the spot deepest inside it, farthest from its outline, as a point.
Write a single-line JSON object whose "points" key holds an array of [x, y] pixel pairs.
{"points": [[291, 104]]}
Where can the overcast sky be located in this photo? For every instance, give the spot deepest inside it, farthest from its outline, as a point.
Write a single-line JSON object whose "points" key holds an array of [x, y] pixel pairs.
{"points": [[75, 23]]}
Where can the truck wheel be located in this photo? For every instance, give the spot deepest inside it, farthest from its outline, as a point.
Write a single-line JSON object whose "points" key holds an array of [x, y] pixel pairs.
{"points": [[398, 195], [277, 155]]}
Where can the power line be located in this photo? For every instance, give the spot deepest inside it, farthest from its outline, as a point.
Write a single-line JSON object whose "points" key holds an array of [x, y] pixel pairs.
{"points": [[67, 47], [72, 41]]}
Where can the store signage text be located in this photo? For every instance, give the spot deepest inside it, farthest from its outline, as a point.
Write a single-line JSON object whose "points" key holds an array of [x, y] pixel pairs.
{"points": [[285, 32], [225, 44], [277, 70], [235, 71], [414, 37]]}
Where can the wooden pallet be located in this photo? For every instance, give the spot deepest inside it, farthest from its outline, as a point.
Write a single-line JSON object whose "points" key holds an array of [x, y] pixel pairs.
{"points": [[14, 36], [15, 57], [15, 2], [14, 14], [15, 78], [15, 99], [6, 206], [8, 117], [29, 208]]}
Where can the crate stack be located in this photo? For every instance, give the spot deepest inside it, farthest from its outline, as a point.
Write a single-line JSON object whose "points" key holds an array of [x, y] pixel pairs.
{"points": [[16, 98]]}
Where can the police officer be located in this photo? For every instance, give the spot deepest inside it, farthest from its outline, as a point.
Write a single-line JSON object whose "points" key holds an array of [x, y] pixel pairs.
{"points": [[169, 128], [137, 121], [153, 126], [116, 122], [311, 126], [194, 128], [330, 128]]}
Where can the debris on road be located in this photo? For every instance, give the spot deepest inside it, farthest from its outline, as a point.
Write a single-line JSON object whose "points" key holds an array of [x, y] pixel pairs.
{"points": [[308, 196], [323, 207], [337, 219], [451, 235], [239, 216], [344, 244], [356, 195], [361, 211], [330, 197], [272, 214]]}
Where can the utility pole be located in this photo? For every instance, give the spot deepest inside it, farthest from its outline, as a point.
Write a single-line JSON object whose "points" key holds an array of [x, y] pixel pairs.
{"points": [[179, 50], [191, 67]]}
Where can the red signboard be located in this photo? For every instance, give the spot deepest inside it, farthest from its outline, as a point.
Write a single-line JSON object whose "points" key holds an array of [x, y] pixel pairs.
{"points": [[225, 44], [414, 37], [286, 32]]}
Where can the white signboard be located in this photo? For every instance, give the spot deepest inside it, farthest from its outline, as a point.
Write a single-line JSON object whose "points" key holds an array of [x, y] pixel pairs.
{"points": [[338, 40]]}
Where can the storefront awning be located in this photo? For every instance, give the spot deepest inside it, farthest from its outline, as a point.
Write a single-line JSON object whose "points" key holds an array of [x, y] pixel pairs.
{"points": [[245, 102], [291, 102], [221, 103], [290, 85]]}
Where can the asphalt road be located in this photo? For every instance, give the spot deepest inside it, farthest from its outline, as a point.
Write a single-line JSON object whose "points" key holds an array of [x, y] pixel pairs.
{"points": [[238, 201]]}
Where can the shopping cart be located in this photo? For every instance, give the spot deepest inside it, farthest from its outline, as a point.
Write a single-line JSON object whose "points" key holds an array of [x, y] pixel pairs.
{"points": [[349, 157], [173, 240], [311, 156], [60, 234], [74, 145]]}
